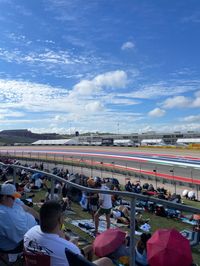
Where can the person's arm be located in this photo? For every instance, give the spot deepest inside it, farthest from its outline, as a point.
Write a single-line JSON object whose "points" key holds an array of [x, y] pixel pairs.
{"points": [[31, 211], [100, 199]]}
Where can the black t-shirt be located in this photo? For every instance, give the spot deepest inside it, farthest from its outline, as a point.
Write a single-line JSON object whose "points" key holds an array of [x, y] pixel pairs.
{"points": [[93, 198]]}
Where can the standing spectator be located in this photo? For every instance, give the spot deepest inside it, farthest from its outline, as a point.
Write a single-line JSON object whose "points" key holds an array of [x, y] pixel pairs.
{"points": [[105, 206], [93, 198]]}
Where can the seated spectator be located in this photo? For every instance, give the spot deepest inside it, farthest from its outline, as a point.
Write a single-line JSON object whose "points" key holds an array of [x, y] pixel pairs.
{"points": [[65, 202], [15, 218], [121, 214], [151, 188], [37, 184], [55, 195], [129, 187], [141, 250], [50, 239]]}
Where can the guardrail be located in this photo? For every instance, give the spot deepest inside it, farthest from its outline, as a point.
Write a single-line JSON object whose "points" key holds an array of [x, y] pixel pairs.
{"points": [[131, 195]]}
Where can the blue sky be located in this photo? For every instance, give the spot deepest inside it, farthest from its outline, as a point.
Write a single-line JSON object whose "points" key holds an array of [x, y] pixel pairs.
{"points": [[100, 65]]}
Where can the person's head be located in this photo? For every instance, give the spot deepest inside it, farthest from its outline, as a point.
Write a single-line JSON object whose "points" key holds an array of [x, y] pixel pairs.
{"points": [[8, 194], [142, 243], [98, 182], [90, 182], [51, 217]]}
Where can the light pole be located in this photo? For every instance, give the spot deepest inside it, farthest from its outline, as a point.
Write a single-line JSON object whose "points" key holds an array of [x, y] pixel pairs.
{"points": [[81, 164], [113, 163], [174, 182], [72, 163], [155, 173], [91, 167], [140, 173], [197, 185], [101, 169], [191, 174]]}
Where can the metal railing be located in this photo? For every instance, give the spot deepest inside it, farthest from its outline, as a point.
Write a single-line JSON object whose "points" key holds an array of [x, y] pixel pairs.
{"points": [[131, 195]]}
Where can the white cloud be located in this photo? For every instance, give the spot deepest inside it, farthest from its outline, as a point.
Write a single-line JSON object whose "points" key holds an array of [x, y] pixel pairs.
{"points": [[84, 87], [160, 89], [196, 102], [46, 104], [157, 112], [177, 102], [47, 56], [192, 118], [127, 46], [94, 106], [112, 79]]}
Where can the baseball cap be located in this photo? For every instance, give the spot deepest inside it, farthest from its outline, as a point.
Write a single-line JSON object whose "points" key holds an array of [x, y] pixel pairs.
{"points": [[10, 190]]}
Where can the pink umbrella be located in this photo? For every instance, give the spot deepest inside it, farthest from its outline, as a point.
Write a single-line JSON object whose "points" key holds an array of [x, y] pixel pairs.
{"points": [[108, 241], [168, 247]]}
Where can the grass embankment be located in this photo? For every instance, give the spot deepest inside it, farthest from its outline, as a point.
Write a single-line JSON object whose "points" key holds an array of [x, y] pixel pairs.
{"points": [[155, 222]]}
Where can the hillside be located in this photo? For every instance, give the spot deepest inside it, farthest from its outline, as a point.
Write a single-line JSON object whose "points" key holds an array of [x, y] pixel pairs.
{"points": [[24, 136]]}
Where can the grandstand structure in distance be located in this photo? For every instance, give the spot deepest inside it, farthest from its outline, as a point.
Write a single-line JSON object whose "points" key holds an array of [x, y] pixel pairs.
{"points": [[129, 140]]}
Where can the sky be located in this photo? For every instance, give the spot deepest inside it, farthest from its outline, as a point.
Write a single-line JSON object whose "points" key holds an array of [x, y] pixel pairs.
{"points": [[115, 66]]}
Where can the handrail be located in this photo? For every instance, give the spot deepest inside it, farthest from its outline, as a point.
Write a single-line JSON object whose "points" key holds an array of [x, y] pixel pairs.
{"points": [[133, 196]]}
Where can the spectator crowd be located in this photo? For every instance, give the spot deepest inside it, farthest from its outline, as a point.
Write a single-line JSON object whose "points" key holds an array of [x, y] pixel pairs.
{"points": [[23, 230]]}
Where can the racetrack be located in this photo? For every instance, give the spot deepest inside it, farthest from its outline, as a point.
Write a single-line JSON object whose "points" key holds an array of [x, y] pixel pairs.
{"points": [[181, 165]]}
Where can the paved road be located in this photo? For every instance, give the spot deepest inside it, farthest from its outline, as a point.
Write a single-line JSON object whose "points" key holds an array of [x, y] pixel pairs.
{"points": [[182, 165]]}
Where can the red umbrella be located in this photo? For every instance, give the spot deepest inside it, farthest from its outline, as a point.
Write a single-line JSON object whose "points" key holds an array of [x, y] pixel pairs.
{"points": [[108, 241], [168, 247]]}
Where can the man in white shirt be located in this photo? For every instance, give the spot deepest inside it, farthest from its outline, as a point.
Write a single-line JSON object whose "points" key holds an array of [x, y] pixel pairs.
{"points": [[105, 206], [49, 238]]}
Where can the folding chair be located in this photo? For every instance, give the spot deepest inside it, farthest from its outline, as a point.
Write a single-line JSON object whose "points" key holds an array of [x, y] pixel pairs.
{"points": [[4, 253], [75, 259], [36, 258]]}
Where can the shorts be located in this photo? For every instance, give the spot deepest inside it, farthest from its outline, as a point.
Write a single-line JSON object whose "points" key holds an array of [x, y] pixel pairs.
{"points": [[102, 211]]}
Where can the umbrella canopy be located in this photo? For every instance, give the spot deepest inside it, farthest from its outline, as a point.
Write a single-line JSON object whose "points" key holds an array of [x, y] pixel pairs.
{"points": [[108, 241], [168, 247]]}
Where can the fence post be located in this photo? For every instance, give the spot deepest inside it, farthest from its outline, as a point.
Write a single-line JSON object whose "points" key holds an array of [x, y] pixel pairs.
{"points": [[132, 232], [52, 187]]}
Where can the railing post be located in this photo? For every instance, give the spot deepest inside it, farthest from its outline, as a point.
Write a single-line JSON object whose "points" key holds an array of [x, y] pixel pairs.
{"points": [[132, 232], [52, 187]]}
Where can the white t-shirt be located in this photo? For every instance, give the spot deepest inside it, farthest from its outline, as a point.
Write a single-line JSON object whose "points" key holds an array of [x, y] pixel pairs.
{"points": [[106, 199], [50, 244]]}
